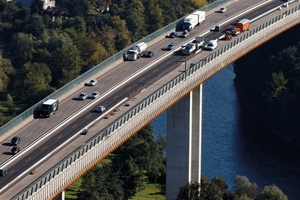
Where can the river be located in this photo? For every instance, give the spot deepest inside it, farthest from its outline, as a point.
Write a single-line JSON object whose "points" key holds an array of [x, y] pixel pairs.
{"points": [[235, 143]]}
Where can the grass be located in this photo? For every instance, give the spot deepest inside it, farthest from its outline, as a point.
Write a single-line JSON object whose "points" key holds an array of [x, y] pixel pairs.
{"points": [[73, 190], [152, 191]]}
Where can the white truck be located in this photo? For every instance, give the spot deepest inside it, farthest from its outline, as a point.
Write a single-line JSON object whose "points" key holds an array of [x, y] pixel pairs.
{"points": [[188, 49], [193, 20], [136, 51], [48, 108]]}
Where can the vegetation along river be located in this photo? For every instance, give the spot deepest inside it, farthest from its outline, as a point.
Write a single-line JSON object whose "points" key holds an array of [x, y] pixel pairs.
{"points": [[235, 143]]}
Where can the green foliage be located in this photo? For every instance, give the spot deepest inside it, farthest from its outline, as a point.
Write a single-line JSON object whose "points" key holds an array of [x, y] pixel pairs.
{"points": [[272, 192], [268, 79], [136, 19], [101, 183], [36, 7], [34, 25], [207, 190], [242, 186]]}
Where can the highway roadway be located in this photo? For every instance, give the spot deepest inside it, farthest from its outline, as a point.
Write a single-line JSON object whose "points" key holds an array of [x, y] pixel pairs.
{"points": [[113, 86]]}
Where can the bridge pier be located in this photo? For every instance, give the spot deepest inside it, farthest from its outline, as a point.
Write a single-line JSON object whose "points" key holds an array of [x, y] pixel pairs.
{"points": [[184, 127], [61, 196]]}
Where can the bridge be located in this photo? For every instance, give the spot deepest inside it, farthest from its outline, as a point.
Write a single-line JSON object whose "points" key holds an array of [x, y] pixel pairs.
{"points": [[130, 109]]}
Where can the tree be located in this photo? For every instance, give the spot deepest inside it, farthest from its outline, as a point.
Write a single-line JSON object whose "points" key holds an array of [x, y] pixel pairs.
{"points": [[4, 80], [35, 84], [22, 47], [154, 17], [65, 65], [35, 25], [272, 192], [221, 183], [101, 183], [93, 53], [122, 37], [242, 186], [37, 7], [131, 175], [189, 191], [207, 190], [135, 20]]}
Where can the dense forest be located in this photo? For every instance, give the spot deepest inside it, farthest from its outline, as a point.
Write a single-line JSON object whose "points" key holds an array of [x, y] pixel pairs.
{"points": [[43, 50], [268, 80]]}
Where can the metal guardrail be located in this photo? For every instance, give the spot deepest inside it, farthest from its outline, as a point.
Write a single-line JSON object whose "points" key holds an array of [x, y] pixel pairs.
{"points": [[74, 165]]}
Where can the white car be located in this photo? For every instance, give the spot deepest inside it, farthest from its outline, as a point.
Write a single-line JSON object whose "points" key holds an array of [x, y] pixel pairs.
{"points": [[100, 109], [82, 96], [94, 95], [222, 10], [92, 82], [211, 45], [185, 34]]}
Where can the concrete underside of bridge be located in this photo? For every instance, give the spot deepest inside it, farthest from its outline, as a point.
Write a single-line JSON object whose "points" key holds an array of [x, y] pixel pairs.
{"points": [[184, 142]]}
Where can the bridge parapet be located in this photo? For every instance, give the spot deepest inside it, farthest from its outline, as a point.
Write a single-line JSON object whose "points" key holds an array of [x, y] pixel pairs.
{"points": [[86, 156]]}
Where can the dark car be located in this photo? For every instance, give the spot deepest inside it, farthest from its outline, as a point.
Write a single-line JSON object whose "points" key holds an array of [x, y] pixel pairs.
{"points": [[15, 150], [171, 46], [149, 54], [15, 140], [172, 35], [3, 172]]}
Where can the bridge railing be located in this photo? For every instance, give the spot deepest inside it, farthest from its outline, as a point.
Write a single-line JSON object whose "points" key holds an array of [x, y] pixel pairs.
{"points": [[86, 156]]}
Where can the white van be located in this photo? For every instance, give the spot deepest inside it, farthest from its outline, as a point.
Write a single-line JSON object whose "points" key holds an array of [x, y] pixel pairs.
{"points": [[211, 45]]}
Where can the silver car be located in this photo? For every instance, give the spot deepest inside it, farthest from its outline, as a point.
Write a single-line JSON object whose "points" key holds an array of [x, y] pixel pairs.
{"points": [[82, 96], [222, 10], [100, 109], [94, 95]]}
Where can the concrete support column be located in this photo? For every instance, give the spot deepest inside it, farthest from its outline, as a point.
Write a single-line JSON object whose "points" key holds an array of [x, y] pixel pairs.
{"points": [[184, 124], [61, 196]]}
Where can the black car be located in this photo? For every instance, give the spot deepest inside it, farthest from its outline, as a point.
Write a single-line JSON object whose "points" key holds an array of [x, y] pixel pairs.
{"points": [[15, 149], [149, 54], [3, 172], [172, 35], [15, 140]]}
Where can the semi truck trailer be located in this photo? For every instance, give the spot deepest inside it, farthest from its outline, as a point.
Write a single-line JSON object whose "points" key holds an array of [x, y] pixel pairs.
{"points": [[193, 20]]}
